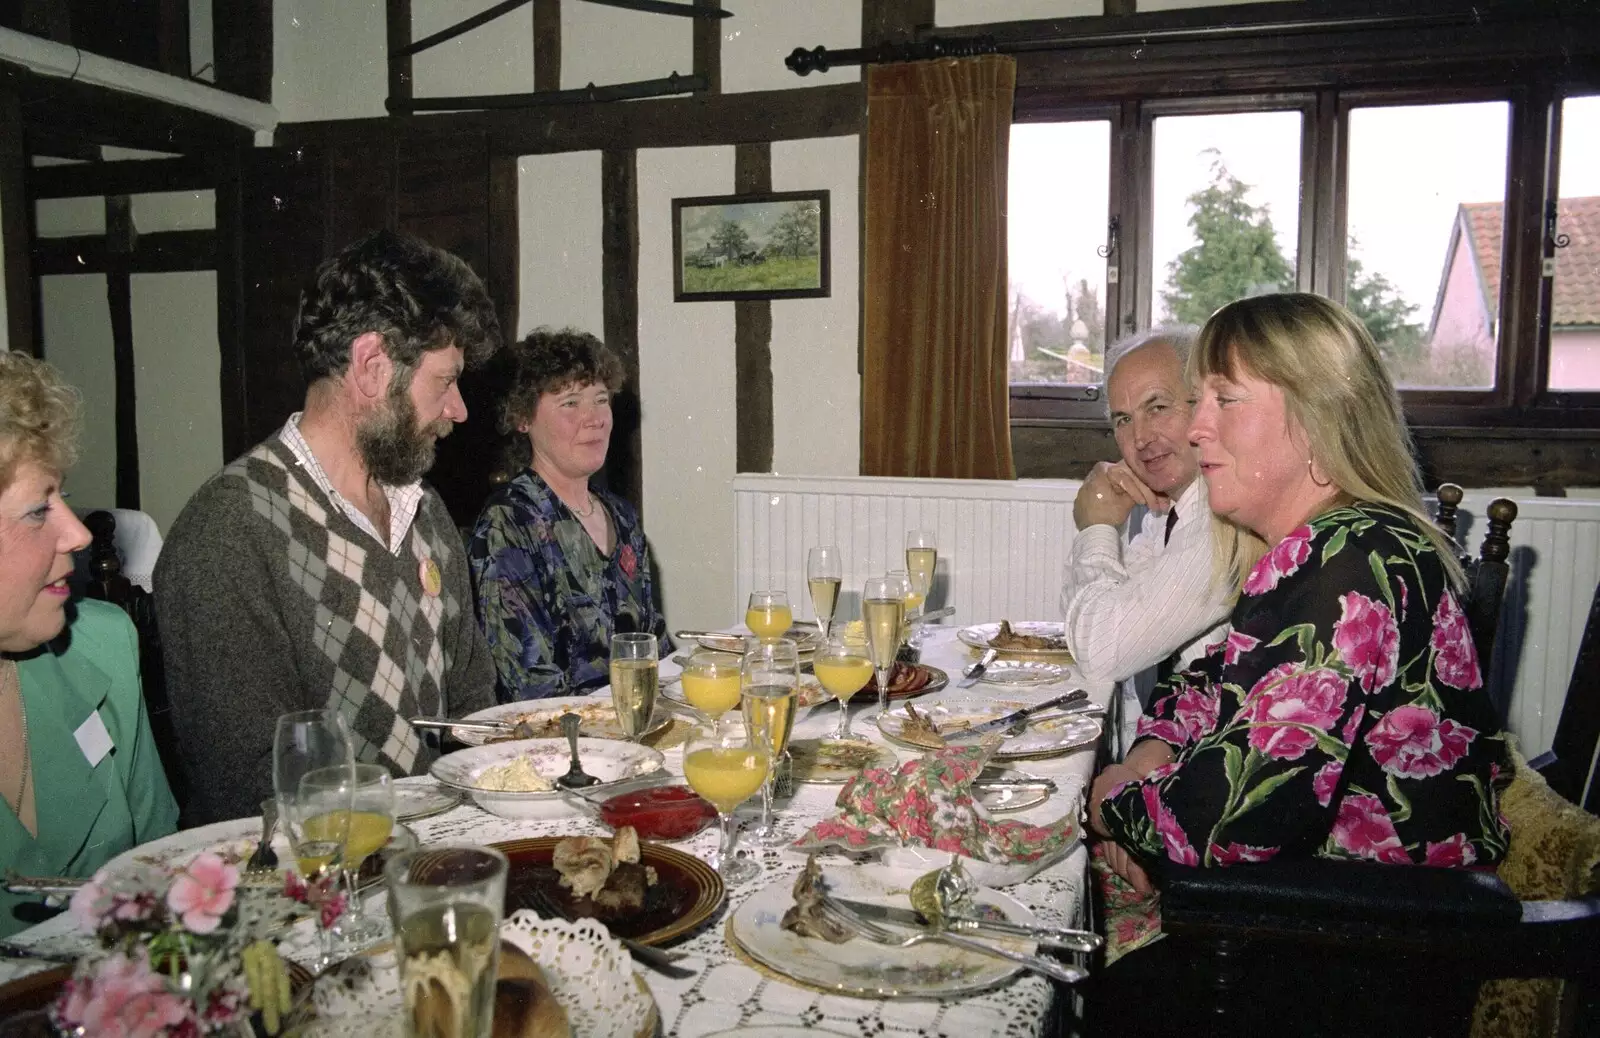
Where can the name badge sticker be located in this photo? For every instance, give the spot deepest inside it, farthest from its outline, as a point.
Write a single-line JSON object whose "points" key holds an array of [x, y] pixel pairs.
{"points": [[93, 739]]}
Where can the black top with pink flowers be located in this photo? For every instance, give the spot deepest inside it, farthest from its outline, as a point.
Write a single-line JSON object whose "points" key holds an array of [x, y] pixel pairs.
{"points": [[1343, 717]]}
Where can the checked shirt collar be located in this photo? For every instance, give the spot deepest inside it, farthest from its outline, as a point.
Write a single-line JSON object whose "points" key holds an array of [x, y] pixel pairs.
{"points": [[403, 501]]}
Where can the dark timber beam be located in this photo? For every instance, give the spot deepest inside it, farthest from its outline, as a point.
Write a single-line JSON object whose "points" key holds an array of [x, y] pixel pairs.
{"points": [[619, 275], [17, 228], [752, 336], [241, 32], [547, 44], [893, 21], [160, 253], [708, 47], [120, 241], [100, 115], [398, 23], [122, 177]]}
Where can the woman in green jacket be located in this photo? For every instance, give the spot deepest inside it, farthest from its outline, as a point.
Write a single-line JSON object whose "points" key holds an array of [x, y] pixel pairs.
{"points": [[79, 773]]}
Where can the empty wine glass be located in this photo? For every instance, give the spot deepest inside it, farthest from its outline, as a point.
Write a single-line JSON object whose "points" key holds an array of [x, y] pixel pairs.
{"points": [[725, 764], [769, 680], [824, 574]]}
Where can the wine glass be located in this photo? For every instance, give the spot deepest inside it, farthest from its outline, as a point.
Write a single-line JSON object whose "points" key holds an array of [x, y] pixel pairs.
{"points": [[711, 682], [371, 823], [843, 669], [824, 574], [316, 819], [724, 763], [921, 559], [634, 681], [769, 679], [768, 614], [883, 611]]}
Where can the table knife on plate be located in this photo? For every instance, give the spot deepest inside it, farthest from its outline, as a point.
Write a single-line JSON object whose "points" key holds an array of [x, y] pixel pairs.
{"points": [[971, 675], [1075, 940], [1000, 724]]}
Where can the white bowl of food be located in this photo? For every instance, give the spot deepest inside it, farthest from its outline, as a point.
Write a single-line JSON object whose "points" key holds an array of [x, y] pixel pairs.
{"points": [[517, 779]]}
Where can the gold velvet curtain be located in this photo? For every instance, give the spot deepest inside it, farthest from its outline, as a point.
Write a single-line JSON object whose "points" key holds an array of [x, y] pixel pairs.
{"points": [[935, 376]]}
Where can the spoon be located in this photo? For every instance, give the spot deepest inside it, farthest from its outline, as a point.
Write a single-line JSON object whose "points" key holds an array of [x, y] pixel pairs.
{"points": [[576, 777], [265, 857]]}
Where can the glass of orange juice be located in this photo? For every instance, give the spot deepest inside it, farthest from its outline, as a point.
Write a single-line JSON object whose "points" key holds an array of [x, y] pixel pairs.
{"points": [[711, 682], [725, 764], [769, 614], [369, 825], [843, 669]]}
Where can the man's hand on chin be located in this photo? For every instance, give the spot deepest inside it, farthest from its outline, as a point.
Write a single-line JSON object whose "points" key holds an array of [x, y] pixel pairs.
{"points": [[1109, 494]]}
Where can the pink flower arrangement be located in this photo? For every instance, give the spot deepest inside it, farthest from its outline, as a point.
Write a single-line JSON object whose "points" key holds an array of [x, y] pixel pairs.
{"points": [[170, 962], [1412, 742], [1287, 556], [1368, 640]]}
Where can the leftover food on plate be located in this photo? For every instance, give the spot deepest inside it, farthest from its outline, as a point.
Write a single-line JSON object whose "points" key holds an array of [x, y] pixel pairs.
{"points": [[806, 917], [517, 775], [608, 872], [523, 1004], [596, 720], [1006, 638]]}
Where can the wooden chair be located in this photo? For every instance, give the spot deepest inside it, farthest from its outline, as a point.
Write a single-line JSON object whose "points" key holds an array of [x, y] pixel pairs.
{"points": [[107, 584], [1486, 574]]}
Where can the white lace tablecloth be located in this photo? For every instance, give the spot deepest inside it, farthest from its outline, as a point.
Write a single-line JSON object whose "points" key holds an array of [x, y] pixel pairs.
{"points": [[725, 993]]}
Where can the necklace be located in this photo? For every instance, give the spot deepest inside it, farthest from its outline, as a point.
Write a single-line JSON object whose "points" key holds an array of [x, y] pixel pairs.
{"points": [[589, 512], [11, 679]]}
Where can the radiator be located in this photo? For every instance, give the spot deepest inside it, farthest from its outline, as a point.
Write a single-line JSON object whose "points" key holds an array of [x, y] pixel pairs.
{"points": [[1002, 547]]}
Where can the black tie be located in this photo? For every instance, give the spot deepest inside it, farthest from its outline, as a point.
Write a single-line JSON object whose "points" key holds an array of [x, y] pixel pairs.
{"points": [[1172, 520]]}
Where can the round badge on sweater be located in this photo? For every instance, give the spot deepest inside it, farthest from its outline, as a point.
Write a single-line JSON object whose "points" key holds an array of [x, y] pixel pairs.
{"points": [[432, 580]]}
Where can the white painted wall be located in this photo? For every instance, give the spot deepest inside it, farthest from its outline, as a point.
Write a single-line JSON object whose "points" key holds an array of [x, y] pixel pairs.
{"points": [[76, 323], [558, 215], [329, 59], [687, 394], [496, 58], [178, 369], [976, 12], [761, 35], [201, 52], [604, 45]]}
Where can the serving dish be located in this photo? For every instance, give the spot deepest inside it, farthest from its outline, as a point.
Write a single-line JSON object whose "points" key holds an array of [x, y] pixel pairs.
{"points": [[597, 719], [834, 761], [608, 760]]}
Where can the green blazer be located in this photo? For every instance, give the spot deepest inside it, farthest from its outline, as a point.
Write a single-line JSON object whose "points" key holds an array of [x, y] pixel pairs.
{"points": [[87, 815]]}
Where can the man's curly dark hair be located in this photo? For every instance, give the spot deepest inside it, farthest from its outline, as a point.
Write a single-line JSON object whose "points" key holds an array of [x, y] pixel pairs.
{"points": [[417, 296], [548, 361]]}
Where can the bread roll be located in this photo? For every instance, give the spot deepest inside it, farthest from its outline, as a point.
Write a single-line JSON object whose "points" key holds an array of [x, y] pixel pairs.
{"points": [[523, 1004]]}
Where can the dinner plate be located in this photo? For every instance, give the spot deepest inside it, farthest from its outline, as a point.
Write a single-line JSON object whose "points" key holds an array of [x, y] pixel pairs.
{"points": [[936, 680], [834, 762], [608, 760], [233, 840], [858, 966], [1042, 738], [1022, 673], [687, 890], [811, 694], [805, 636], [1000, 799], [597, 719], [981, 636], [421, 796]]}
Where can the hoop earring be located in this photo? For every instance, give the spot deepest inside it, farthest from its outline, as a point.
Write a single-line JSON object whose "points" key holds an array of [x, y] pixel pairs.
{"points": [[1312, 472]]}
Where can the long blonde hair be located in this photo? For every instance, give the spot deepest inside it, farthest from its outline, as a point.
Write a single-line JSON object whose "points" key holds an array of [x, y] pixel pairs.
{"points": [[1336, 390]]}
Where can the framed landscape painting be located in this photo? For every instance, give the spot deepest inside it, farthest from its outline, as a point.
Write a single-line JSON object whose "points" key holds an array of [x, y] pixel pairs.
{"points": [[771, 246]]}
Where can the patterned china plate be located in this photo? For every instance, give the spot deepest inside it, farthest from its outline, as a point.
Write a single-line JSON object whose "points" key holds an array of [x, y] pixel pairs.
{"points": [[419, 796], [1022, 672], [608, 760], [834, 762], [811, 694], [234, 840], [981, 636], [1046, 738], [597, 719], [860, 967]]}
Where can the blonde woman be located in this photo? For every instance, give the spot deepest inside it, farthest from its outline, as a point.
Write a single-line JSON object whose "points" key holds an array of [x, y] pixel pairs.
{"points": [[1344, 716], [78, 768]]}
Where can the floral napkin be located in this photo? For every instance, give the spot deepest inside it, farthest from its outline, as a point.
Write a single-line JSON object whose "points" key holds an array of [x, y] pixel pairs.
{"points": [[928, 802]]}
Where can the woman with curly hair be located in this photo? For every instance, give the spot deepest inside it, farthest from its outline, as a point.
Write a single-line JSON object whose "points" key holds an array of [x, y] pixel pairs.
{"points": [[559, 565], [78, 767]]}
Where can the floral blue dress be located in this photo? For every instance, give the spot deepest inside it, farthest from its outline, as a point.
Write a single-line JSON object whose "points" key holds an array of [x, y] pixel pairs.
{"points": [[1343, 717], [548, 599]]}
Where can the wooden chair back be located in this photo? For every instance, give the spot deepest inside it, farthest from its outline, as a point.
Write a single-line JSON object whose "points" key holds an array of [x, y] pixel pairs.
{"points": [[1487, 574]]}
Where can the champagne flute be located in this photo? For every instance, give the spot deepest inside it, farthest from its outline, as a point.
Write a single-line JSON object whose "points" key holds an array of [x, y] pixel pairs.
{"points": [[768, 614], [824, 574], [724, 763], [770, 679], [368, 828], [315, 819], [843, 669], [921, 559], [883, 611], [711, 682], [634, 682]]}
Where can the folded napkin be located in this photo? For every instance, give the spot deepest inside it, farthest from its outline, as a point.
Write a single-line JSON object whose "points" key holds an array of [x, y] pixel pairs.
{"points": [[928, 802]]}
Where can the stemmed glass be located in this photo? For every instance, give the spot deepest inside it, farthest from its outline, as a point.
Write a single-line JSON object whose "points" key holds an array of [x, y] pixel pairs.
{"points": [[883, 612], [711, 682], [824, 574], [921, 559], [635, 681], [725, 764], [770, 679], [371, 823], [768, 614], [315, 745], [843, 669]]}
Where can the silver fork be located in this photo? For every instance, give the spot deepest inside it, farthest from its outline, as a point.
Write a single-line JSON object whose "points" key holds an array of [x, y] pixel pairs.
{"points": [[878, 935]]}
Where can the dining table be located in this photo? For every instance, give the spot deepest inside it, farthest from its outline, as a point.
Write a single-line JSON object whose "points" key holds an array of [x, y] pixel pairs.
{"points": [[728, 990]]}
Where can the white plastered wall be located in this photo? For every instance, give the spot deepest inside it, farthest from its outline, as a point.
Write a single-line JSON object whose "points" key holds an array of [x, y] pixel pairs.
{"points": [[558, 214]]}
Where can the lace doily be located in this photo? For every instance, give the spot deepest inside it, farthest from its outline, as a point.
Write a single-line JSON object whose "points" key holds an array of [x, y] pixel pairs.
{"points": [[589, 972]]}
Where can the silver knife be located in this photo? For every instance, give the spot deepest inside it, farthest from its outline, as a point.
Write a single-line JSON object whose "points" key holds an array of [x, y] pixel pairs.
{"points": [[1001, 723], [937, 614], [974, 672], [1075, 940]]}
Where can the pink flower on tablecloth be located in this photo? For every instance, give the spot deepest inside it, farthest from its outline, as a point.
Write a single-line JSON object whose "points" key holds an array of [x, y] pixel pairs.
{"points": [[1368, 639], [1412, 742], [1455, 657], [1285, 557], [1288, 705], [1455, 853], [1241, 854], [123, 997], [1365, 829], [1197, 712], [203, 892], [1173, 838], [1236, 645], [1327, 780]]}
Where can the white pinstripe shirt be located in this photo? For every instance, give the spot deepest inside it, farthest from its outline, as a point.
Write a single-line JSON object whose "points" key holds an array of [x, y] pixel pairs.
{"points": [[403, 501], [1129, 608]]}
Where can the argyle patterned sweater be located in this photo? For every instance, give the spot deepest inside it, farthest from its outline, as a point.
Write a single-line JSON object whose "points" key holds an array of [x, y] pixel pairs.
{"points": [[270, 600]]}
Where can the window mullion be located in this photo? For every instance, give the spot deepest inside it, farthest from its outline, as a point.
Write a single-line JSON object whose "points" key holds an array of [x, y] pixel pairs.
{"points": [[1322, 210], [1523, 341]]}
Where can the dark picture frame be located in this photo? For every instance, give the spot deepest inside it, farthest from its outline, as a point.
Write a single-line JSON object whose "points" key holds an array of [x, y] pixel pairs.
{"points": [[774, 245]]}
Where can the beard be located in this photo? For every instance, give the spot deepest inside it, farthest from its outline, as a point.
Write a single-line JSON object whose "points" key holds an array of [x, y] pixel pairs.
{"points": [[394, 446]]}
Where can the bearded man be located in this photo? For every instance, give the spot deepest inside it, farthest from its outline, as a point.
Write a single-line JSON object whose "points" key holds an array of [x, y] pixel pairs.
{"points": [[318, 571]]}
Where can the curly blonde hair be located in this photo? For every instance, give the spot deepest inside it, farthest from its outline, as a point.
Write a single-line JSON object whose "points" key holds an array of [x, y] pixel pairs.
{"points": [[38, 417]]}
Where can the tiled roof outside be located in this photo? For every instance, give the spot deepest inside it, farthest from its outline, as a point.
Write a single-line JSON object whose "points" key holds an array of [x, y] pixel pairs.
{"points": [[1577, 288]]}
